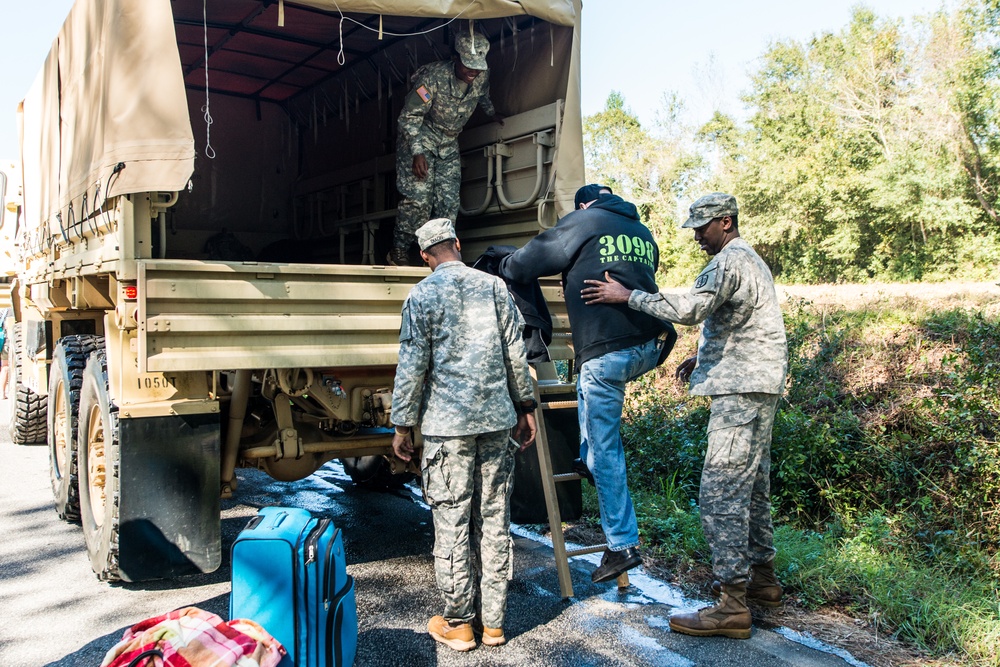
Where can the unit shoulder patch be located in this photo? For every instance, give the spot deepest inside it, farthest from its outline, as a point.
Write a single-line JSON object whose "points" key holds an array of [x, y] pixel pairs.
{"points": [[404, 325], [707, 279]]}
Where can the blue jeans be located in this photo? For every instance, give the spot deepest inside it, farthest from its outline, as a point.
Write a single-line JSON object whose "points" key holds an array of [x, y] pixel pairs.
{"points": [[600, 388]]}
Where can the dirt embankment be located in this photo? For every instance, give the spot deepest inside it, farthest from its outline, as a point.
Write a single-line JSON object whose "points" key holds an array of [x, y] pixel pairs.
{"points": [[936, 295]]}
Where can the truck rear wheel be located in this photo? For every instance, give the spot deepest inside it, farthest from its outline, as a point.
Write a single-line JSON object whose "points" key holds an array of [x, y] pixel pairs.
{"points": [[65, 380], [27, 414], [99, 452]]}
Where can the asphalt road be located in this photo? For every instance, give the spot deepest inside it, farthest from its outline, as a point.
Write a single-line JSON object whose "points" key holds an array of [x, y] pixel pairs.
{"points": [[54, 611]]}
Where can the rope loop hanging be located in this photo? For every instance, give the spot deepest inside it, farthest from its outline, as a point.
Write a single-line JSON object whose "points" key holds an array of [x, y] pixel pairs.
{"points": [[206, 110]]}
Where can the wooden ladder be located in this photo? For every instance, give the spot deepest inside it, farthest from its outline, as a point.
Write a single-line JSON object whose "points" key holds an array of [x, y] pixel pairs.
{"points": [[546, 387]]}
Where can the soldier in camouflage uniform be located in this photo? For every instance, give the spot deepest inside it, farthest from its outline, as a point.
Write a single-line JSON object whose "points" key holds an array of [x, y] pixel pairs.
{"points": [[464, 378], [428, 168], [741, 364]]}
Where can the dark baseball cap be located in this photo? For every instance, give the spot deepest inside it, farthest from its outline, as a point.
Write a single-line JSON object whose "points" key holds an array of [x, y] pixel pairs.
{"points": [[589, 193]]}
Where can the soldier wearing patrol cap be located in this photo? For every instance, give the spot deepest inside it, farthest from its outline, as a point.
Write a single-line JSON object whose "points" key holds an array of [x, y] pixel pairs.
{"points": [[741, 363], [463, 377], [441, 100]]}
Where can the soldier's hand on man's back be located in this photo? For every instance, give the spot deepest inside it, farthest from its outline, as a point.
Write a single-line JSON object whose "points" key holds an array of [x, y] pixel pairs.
{"points": [[611, 291]]}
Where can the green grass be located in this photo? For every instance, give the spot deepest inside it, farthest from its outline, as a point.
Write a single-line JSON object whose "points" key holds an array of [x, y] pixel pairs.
{"points": [[885, 470], [928, 604]]}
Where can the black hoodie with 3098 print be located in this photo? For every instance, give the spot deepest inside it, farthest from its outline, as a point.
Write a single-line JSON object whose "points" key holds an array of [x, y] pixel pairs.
{"points": [[607, 236]]}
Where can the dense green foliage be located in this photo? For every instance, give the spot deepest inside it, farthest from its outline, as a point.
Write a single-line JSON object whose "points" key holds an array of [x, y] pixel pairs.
{"points": [[893, 411], [885, 468], [873, 153]]}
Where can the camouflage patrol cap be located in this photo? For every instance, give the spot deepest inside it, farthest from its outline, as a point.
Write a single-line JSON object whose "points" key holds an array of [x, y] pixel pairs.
{"points": [[472, 50], [710, 207], [434, 231]]}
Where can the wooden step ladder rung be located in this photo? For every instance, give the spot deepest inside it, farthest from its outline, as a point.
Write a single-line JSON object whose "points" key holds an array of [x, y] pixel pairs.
{"points": [[558, 405], [549, 479], [583, 551]]}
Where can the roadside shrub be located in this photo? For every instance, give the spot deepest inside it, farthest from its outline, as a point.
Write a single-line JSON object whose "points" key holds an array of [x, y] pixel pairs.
{"points": [[887, 409], [885, 467]]}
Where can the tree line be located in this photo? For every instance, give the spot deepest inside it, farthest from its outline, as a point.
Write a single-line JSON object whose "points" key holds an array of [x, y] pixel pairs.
{"points": [[872, 153]]}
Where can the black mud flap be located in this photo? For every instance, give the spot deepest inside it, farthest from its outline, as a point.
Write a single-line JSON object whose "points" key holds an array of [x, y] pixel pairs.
{"points": [[527, 502], [169, 516]]}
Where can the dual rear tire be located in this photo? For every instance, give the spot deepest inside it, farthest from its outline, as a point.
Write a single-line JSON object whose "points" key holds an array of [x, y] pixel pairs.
{"points": [[84, 448], [65, 381], [99, 455], [27, 413]]}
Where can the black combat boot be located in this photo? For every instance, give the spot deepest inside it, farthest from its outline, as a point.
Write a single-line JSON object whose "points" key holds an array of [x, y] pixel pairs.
{"points": [[614, 563], [581, 469], [397, 257]]}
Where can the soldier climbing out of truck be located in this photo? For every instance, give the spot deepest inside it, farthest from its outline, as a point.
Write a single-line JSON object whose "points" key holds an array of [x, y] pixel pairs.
{"points": [[428, 170]]}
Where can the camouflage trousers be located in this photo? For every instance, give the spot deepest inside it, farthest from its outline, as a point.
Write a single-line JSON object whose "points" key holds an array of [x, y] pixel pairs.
{"points": [[424, 199], [735, 496], [467, 482]]}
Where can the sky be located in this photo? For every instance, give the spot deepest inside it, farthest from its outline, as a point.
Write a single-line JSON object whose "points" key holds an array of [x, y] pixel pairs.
{"points": [[641, 48], [701, 50]]}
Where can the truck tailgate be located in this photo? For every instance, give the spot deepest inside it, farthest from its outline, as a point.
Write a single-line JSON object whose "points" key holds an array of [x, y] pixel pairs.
{"points": [[195, 315]]}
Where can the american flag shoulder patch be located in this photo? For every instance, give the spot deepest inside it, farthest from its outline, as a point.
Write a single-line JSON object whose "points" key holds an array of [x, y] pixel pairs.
{"points": [[424, 94]]}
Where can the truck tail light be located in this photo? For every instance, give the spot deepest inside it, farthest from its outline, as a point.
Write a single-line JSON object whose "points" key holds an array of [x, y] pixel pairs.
{"points": [[131, 292]]}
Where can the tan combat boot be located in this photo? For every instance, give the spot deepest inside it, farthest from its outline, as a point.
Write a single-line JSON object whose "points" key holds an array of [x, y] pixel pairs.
{"points": [[729, 618], [458, 637], [764, 588], [493, 637], [490, 636]]}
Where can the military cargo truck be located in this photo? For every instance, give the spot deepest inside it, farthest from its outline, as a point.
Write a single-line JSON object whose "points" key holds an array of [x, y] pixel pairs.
{"points": [[209, 193], [10, 209]]}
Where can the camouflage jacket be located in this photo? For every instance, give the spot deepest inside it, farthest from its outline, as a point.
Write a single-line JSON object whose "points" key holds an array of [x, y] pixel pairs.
{"points": [[462, 364], [742, 347], [437, 108]]}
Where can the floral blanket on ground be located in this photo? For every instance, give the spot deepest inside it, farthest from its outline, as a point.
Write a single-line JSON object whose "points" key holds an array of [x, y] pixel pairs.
{"points": [[192, 637]]}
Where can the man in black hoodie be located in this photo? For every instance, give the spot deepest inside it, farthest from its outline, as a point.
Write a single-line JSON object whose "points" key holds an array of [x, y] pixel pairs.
{"points": [[613, 344]]}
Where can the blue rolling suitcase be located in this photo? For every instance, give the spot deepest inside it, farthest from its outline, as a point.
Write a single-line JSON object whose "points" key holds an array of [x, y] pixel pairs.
{"points": [[289, 575]]}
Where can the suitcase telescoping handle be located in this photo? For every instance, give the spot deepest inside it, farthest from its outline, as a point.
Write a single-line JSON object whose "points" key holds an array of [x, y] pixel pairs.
{"points": [[277, 520], [254, 522]]}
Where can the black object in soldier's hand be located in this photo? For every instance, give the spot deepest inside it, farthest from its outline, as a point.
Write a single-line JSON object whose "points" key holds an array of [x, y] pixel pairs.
{"points": [[527, 407]]}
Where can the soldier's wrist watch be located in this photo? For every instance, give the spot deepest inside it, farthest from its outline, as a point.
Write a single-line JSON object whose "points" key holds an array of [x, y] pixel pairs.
{"points": [[527, 407]]}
